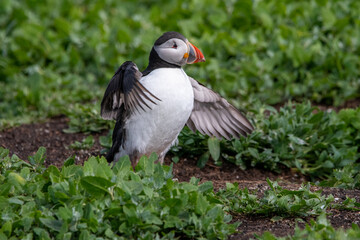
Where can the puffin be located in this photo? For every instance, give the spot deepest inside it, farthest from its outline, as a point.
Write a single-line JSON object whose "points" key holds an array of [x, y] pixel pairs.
{"points": [[152, 107]]}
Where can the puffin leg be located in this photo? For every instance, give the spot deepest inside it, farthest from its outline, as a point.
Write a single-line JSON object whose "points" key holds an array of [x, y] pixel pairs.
{"points": [[163, 153], [134, 159], [161, 158]]}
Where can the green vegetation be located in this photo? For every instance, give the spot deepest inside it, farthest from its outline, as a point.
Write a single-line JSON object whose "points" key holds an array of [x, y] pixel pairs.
{"points": [[86, 143], [266, 51], [319, 229], [316, 144], [276, 201], [59, 62], [279, 202], [95, 200]]}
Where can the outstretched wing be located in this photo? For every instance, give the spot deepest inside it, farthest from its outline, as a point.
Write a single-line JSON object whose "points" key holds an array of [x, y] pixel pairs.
{"points": [[125, 88], [214, 116]]}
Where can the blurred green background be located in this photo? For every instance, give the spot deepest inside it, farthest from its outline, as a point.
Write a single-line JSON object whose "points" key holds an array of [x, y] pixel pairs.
{"points": [[57, 56]]}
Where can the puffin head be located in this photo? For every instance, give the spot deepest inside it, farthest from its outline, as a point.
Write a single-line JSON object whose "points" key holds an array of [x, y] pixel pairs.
{"points": [[174, 48]]}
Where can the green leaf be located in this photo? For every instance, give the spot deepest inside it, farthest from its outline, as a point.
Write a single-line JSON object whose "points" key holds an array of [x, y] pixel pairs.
{"points": [[328, 164], [16, 179], [5, 188], [41, 233], [54, 174], [214, 213], [86, 143], [72, 171], [175, 159], [129, 211], [52, 223], [69, 161], [3, 202], [203, 160], [328, 17], [147, 164], [104, 170], [296, 140], [39, 157], [174, 205], [7, 228], [84, 235], [65, 214], [15, 200], [268, 236], [123, 166], [206, 187], [254, 153], [214, 148], [96, 185], [3, 236], [201, 204], [153, 219]]}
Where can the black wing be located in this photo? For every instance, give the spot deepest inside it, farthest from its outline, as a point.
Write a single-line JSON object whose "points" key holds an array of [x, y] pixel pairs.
{"points": [[214, 116], [125, 88]]}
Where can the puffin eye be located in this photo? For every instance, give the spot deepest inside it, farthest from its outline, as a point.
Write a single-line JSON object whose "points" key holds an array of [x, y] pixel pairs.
{"points": [[174, 45]]}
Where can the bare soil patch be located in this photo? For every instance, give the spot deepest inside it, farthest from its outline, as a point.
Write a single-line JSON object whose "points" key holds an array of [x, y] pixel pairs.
{"points": [[25, 140]]}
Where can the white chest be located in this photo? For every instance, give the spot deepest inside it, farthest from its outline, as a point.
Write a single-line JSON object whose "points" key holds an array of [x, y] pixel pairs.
{"points": [[172, 87], [152, 129]]}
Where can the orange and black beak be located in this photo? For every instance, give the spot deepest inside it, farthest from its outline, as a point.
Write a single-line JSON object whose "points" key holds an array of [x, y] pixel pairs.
{"points": [[194, 55]]}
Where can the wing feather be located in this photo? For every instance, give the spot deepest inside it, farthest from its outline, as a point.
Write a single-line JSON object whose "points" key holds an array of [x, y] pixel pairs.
{"points": [[125, 89], [214, 116]]}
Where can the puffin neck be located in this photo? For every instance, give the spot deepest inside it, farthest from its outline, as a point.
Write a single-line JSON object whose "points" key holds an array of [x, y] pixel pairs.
{"points": [[156, 62]]}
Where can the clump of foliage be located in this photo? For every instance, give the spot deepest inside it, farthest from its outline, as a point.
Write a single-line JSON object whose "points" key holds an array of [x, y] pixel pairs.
{"points": [[258, 52], [276, 201], [316, 143], [95, 200], [86, 119], [319, 229], [347, 177], [86, 143]]}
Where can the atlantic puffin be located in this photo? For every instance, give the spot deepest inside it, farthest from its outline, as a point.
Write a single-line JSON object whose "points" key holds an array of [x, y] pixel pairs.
{"points": [[153, 106]]}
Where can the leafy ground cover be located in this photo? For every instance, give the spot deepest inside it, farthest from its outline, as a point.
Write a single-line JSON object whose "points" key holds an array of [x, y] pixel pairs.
{"points": [[320, 229], [92, 200], [315, 144], [95, 200], [259, 205]]}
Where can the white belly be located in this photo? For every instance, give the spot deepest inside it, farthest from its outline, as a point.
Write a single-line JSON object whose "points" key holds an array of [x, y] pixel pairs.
{"points": [[156, 129]]}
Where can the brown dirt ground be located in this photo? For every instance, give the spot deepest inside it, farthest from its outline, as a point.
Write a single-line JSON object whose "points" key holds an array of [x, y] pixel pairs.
{"points": [[26, 139]]}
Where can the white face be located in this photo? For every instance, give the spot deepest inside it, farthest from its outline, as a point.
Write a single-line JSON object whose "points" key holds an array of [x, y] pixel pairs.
{"points": [[173, 51]]}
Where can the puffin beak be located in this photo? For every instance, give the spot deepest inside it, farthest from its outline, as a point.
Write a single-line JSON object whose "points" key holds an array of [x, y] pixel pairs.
{"points": [[194, 55]]}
